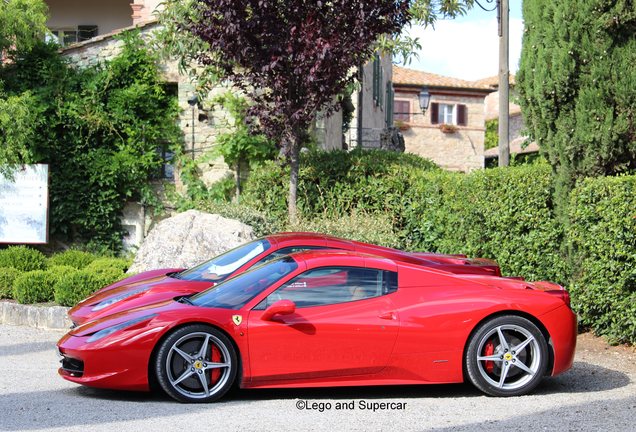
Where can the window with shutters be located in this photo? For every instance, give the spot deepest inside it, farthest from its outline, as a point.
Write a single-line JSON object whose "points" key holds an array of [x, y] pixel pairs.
{"points": [[451, 114], [402, 110]]}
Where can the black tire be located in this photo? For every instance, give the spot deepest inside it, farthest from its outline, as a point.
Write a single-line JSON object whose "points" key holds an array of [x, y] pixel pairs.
{"points": [[522, 359], [183, 369]]}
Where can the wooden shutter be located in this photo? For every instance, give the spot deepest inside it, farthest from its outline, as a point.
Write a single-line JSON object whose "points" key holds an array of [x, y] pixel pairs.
{"points": [[462, 115], [434, 113], [376, 80], [390, 104]]}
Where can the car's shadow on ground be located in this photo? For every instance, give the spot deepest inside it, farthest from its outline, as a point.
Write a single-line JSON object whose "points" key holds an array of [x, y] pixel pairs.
{"points": [[582, 378], [74, 406]]}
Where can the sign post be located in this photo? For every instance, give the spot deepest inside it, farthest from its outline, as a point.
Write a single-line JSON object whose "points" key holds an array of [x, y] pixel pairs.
{"points": [[24, 206]]}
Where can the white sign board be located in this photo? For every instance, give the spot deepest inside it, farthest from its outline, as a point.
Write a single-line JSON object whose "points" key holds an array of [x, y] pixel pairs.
{"points": [[24, 202]]}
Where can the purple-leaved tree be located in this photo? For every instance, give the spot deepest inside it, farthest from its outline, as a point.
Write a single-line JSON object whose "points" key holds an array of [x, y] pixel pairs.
{"points": [[292, 57]]}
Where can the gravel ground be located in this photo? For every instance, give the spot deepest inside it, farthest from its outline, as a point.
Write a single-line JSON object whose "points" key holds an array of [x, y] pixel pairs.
{"points": [[599, 393]]}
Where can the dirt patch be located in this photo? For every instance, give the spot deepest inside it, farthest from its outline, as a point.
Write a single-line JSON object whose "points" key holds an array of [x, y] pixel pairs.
{"points": [[596, 350]]}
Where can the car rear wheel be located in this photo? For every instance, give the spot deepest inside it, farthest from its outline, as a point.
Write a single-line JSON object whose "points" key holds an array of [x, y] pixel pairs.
{"points": [[506, 356], [197, 363]]}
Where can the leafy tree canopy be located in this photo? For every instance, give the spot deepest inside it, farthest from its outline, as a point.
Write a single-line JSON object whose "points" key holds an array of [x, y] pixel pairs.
{"points": [[22, 24], [291, 57]]}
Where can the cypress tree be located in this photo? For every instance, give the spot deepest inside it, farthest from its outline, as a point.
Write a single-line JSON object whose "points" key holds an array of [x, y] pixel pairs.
{"points": [[577, 85]]}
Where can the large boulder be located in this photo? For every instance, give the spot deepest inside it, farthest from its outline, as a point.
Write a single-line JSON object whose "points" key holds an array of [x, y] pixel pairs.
{"points": [[188, 239]]}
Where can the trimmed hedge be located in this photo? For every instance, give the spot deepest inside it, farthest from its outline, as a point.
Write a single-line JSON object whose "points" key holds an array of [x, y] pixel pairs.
{"points": [[106, 264], [82, 283], [34, 287], [335, 184], [602, 241], [22, 258], [7, 277], [376, 229], [504, 214], [72, 257]]}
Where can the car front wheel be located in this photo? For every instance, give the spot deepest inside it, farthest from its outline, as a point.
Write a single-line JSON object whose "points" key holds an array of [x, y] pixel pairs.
{"points": [[506, 356], [196, 363]]}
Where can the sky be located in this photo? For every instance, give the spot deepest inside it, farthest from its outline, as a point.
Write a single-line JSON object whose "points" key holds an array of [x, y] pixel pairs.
{"points": [[468, 47]]}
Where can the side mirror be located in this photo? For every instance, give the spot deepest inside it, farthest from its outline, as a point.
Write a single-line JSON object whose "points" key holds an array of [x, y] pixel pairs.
{"points": [[281, 307]]}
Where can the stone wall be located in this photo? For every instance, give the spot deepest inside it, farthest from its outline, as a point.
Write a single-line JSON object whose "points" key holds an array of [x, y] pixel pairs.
{"points": [[462, 150]]}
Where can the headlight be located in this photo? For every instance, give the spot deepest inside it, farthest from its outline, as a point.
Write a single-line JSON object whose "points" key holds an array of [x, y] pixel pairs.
{"points": [[101, 305], [110, 330]]}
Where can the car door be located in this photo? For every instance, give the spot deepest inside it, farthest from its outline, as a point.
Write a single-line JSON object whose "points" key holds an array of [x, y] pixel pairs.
{"points": [[344, 324]]}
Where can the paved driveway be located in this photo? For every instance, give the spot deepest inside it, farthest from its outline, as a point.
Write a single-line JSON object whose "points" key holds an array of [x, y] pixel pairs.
{"points": [[599, 393]]}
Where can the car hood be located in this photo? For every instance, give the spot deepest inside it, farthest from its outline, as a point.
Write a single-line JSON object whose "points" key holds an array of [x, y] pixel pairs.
{"points": [[147, 276], [163, 314], [156, 280]]}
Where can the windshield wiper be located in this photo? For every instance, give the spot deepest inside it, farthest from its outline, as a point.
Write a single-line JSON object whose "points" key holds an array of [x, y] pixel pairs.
{"points": [[175, 275], [185, 300]]}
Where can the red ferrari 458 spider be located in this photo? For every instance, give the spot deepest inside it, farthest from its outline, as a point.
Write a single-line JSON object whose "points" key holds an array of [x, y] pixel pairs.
{"points": [[156, 285], [331, 318]]}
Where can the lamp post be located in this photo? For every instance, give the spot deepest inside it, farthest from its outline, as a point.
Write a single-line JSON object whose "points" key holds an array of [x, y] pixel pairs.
{"points": [[193, 101], [503, 15], [425, 99]]}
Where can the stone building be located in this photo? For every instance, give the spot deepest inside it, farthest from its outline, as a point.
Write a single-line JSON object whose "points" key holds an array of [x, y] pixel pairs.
{"points": [[516, 125], [451, 132]]}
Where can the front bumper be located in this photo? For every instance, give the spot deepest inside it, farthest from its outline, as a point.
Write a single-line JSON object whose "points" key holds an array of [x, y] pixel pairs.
{"points": [[111, 363]]}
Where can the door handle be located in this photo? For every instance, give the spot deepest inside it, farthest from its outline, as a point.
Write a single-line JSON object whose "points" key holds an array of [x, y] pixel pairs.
{"points": [[387, 316]]}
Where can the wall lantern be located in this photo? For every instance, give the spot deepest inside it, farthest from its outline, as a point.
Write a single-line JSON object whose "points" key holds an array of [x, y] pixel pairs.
{"points": [[425, 99]]}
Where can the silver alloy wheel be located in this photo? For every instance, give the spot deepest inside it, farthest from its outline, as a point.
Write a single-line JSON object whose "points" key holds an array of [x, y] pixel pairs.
{"points": [[516, 358], [189, 365]]}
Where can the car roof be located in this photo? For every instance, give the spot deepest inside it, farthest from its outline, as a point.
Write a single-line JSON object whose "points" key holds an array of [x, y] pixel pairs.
{"points": [[320, 257], [300, 236]]}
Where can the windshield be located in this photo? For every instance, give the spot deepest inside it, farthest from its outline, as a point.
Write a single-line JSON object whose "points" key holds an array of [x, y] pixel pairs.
{"points": [[236, 292], [219, 268]]}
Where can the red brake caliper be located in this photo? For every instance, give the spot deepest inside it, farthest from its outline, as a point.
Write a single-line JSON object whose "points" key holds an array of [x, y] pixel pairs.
{"points": [[215, 356], [489, 349]]}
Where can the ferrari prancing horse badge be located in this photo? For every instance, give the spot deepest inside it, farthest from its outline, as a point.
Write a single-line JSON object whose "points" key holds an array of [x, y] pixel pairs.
{"points": [[238, 319]]}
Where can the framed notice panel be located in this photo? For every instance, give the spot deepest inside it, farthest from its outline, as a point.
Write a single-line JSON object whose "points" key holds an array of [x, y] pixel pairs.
{"points": [[24, 205]]}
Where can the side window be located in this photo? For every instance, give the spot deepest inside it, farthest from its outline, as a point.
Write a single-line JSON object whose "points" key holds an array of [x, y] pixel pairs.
{"points": [[286, 251], [333, 285]]}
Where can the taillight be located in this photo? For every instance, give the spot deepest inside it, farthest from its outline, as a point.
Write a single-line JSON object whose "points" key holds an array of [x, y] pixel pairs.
{"points": [[562, 294]]}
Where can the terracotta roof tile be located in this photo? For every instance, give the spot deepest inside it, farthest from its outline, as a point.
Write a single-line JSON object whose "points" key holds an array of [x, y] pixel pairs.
{"points": [[516, 147], [415, 77], [493, 81]]}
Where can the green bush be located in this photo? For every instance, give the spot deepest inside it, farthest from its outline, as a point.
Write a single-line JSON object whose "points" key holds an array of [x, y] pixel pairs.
{"points": [[59, 272], [602, 242], [334, 184], [82, 283], [34, 287], [22, 258], [376, 229], [7, 276], [107, 264], [72, 257], [503, 214]]}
